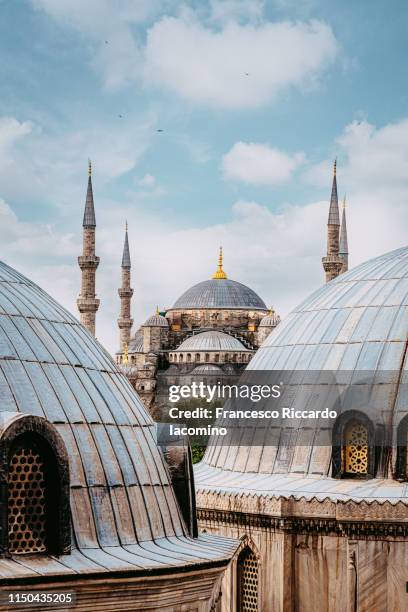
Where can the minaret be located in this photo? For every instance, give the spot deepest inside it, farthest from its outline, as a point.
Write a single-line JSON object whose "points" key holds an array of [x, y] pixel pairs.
{"points": [[220, 274], [343, 244], [125, 321], [87, 302], [333, 263]]}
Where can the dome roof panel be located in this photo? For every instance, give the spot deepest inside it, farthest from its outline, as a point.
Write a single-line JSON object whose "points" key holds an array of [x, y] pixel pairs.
{"points": [[219, 293], [211, 341]]}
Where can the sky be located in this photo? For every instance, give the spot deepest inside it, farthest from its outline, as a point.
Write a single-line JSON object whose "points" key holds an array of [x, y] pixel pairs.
{"points": [[208, 123]]}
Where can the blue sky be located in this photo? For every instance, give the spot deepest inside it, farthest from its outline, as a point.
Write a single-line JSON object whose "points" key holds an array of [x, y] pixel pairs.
{"points": [[255, 99]]}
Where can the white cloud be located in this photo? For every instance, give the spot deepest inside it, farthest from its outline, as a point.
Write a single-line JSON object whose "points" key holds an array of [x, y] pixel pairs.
{"points": [[222, 54], [11, 131], [259, 164], [238, 66], [148, 180]]}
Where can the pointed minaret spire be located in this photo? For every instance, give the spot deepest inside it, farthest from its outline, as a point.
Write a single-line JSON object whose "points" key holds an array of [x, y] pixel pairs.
{"points": [[126, 254], [125, 321], [334, 218], [333, 263], [343, 244], [89, 212], [88, 262]]}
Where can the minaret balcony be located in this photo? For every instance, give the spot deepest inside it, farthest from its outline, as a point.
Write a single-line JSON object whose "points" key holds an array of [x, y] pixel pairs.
{"points": [[88, 262], [124, 323], [125, 292], [88, 304]]}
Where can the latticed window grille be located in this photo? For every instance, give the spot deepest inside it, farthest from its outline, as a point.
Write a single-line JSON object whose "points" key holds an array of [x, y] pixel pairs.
{"points": [[355, 450], [248, 581], [27, 518]]}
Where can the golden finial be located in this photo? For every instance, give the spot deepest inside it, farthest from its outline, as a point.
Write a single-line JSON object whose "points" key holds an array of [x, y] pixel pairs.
{"points": [[157, 310], [126, 354], [271, 311], [335, 167], [126, 226], [89, 167], [344, 201], [220, 274]]}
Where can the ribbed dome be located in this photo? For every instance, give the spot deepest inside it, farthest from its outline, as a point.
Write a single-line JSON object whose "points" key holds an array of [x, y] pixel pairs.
{"points": [[51, 367], [219, 293], [136, 343], [156, 320], [357, 322], [207, 368], [211, 341], [270, 320]]}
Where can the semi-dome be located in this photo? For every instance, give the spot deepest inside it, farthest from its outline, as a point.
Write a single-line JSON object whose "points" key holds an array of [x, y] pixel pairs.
{"points": [[156, 320], [219, 293], [211, 341], [56, 377], [356, 323]]}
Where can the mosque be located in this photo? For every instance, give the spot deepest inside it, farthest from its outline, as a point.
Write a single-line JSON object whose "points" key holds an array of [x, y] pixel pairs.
{"points": [[211, 332]]}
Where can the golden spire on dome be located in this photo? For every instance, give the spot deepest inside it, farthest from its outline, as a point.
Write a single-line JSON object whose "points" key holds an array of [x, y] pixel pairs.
{"points": [[344, 201], [157, 310], [271, 311], [220, 274]]}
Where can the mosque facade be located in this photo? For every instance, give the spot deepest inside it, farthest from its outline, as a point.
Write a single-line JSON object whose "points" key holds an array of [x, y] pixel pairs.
{"points": [[211, 332]]}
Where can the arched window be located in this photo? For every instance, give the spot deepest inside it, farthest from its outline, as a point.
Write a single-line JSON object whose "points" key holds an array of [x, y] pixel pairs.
{"points": [[402, 450], [248, 578], [36, 474], [188, 357], [181, 359], [353, 446], [355, 449], [197, 357], [207, 357], [216, 358]]}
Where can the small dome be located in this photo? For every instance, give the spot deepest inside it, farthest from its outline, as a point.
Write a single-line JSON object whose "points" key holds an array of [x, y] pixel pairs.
{"points": [[208, 368], [270, 320], [156, 320], [211, 341], [219, 293], [136, 343]]}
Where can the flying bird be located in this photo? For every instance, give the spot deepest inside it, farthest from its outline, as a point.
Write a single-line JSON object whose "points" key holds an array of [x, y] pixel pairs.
{"points": [[121, 116], [159, 130]]}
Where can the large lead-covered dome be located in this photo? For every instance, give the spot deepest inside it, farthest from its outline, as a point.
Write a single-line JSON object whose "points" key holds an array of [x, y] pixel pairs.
{"points": [[357, 323], [219, 293], [53, 370]]}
